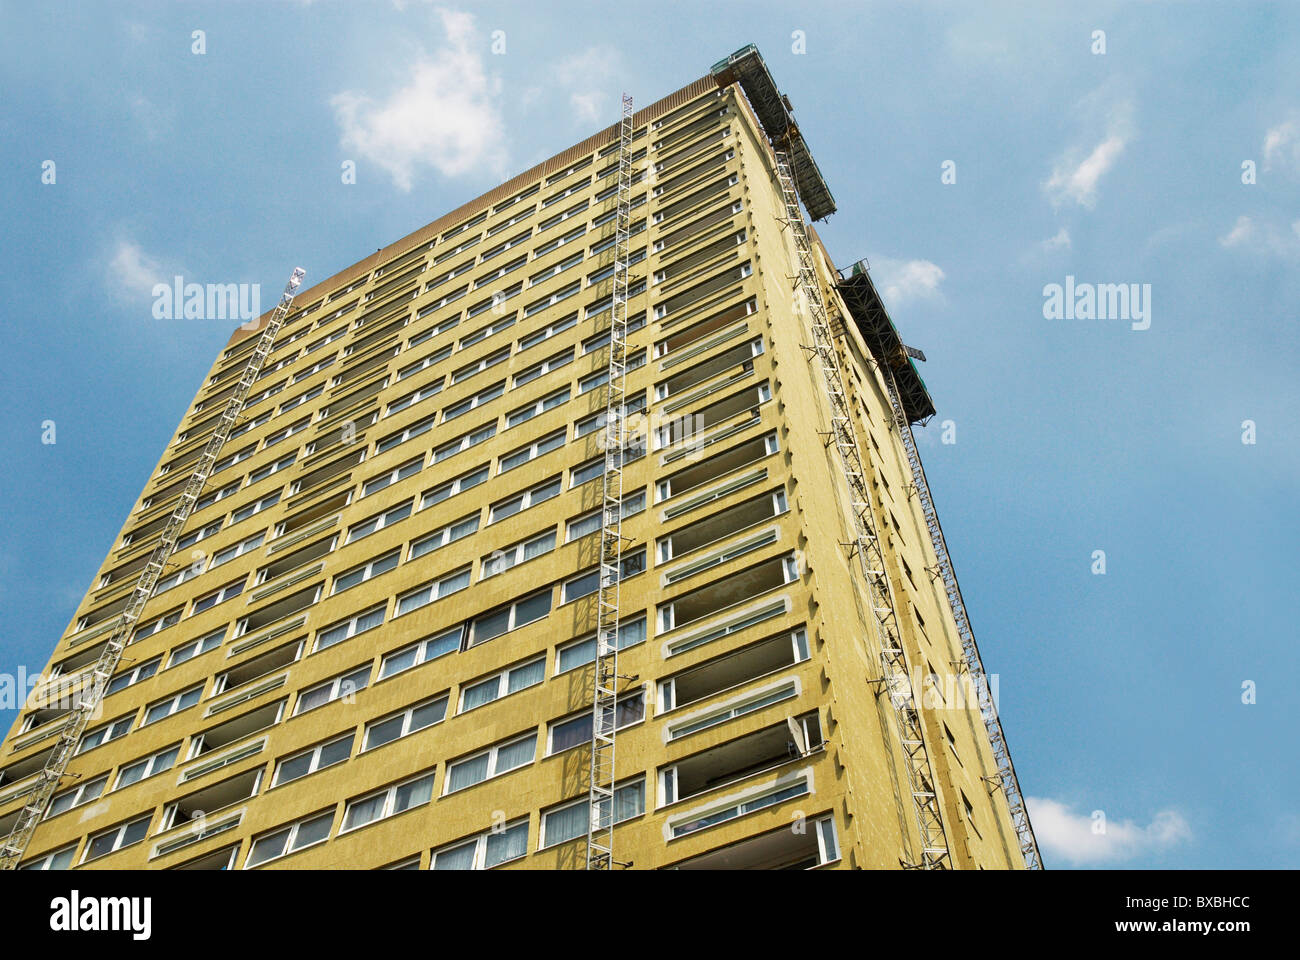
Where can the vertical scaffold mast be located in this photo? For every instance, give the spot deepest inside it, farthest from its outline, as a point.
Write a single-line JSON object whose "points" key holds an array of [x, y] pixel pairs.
{"points": [[604, 717]]}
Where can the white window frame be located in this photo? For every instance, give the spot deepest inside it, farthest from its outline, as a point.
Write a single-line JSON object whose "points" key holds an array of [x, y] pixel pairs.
{"points": [[493, 754], [388, 807], [481, 842], [430, 648], [456, 530], [538, 448], [335, 686], [315, 753], [351, 627], [399, 473], [456, 486], [502, 677], [434, 590], [507, 558], [380, 521], [527, 498], [290, 841]]}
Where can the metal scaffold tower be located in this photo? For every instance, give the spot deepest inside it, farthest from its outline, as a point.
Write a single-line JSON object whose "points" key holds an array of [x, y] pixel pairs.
{"points": [[604, 718], [974, 665], [88, 698], [896, 681]]}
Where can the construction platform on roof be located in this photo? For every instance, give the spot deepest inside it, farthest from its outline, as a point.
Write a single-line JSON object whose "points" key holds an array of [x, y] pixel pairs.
{"points": [[774, 111], [868, 312]]}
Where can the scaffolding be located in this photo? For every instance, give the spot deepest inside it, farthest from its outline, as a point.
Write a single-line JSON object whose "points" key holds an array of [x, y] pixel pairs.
{"points": [[896, 680], [910, 403], [1006, 777], [604, 717], [86, 701]]}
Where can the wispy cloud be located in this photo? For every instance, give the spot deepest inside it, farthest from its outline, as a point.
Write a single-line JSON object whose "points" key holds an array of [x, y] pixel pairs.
{"points": [[1263, 237], [1282, 146], [1077, 839], [588, 77], [447, 117], [130, 273], [1059, 242], [1077, 173], [901, 281]]}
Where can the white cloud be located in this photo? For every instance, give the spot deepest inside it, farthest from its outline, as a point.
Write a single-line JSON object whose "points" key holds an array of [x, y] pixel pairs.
{"points": [[1241, 232], [153, 119], [130, 273], [1063, 833], [1282, 146], [1078, 171], [902, 280], [1263, 237], [1060, 241], [589, 78], [447, 117]]}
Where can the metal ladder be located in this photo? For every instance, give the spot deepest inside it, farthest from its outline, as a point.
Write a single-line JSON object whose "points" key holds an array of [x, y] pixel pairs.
{"points": [[90, 697], [974, 665], [896, 679], [604, 718]]}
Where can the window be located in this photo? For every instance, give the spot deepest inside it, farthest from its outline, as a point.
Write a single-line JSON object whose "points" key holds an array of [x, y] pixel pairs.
{"points": [[463, 407], [436, 357], [503, 684], [427, 649], [248, 425], [575, 730], [573, 819], [218, 596], [306, 396], [208, 499], [522, 501], [588, 583], [589, 523], [545, 367], [562, 294], [414, 397], [485, 851], [180, 576], [408, 721], [539, 336], [769, 798], [557, 268], [472, 439], [236, 550], [526, 413], [156, 625], [378, 522], [58, 860], [142, 672], [414, 430], [287, 432], [238, 456], [452, 487], [433, 591], [192, 538], [545, 248], [366, 571], [243, 513], [315, 368], [315, 758], [492, 762], [387, 803], [583, 651], [341, 687], [188, 651], [589, 383], [147, 767], [491, 360], [82, 793], [109, 731], [597, 421], [595, 467], [408, 469], [117, 838], [286, 840], [263, 472], [517, 458], [482, 333], [492, 624], [734, 709], [502, 560], [454, 531], [173, 704], [353, 625]]}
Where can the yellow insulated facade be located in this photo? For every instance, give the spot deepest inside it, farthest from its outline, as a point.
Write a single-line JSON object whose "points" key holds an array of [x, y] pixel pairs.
{"points": [[374, 648]]}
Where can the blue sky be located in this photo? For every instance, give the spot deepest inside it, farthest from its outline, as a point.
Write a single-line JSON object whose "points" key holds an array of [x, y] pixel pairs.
{"points": [[1120, 692]]}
